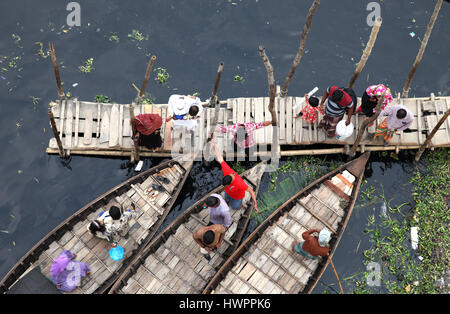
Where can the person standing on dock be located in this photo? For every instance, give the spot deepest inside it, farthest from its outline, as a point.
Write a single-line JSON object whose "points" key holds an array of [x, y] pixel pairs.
{"points": [[313, 246], [148, 130], [311, 111], [183, 110], [370, 99], [339, 101], [209, 238], [219, 212], [235, 186], [398, 118]]}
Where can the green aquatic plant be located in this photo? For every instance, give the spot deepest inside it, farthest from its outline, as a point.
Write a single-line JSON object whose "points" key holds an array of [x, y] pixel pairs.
{"points": [[162, 76], [102, 98], [114, 38], [137, 35], [238, 78], [88, 66]]}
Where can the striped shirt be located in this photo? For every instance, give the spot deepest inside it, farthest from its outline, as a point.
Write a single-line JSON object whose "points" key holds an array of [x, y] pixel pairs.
{"points": [[333, 109]]}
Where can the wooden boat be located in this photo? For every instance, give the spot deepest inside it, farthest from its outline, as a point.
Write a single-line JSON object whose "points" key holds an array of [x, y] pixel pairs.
{"points": [[264, 262], [152, 207], [172, 262]]}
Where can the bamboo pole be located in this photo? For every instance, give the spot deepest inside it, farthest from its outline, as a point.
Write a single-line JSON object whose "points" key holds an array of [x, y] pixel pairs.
{"points": [[216, 83], [56, 134], [364, 125], [147, 75], [335, 273], [428, 140], [55, 67], [301, 49], [135, 155], [367, 51], [422, 48]]}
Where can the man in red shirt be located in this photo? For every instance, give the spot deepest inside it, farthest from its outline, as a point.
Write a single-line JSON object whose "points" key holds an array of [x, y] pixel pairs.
{"points": [[313, 247], [235, 186]]}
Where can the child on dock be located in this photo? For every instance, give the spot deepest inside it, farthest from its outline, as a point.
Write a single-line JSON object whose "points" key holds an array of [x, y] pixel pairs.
{"points": [[310, 112]]}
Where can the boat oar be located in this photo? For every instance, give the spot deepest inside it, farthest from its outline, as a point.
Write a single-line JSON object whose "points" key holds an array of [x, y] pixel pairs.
{"points": [[335, 273]]}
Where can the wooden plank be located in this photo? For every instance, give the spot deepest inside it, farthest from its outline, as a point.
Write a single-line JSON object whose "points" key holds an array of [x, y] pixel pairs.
{"points": [[168, 134], [267, 117], [114, 126], [69, 125], [282, 117], [77, 122], [241, 102], [419, 122], [248, 111], [259, 116], [234, 104], [289, 118], [62, 117], [88, 123], [97, 135], [104, 127], [120, 126]]}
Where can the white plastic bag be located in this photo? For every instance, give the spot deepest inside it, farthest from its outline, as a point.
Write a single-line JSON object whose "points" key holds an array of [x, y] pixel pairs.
{"points": [[344, 131]]}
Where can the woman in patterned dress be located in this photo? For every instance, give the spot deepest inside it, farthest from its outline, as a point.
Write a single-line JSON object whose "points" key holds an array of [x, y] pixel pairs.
{"points": [[371, 96]]}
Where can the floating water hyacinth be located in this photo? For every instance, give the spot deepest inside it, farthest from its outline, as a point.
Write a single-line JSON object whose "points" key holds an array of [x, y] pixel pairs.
{"points": [[88, 66]]}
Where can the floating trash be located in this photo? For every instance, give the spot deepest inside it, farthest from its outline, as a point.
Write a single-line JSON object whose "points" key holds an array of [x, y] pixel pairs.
{"points": [[412, 34], [75, 85], [414, 238], [383, 210]]}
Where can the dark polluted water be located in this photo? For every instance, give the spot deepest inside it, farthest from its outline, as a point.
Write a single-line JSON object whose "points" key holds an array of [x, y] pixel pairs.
{"points": [[189, 38]]}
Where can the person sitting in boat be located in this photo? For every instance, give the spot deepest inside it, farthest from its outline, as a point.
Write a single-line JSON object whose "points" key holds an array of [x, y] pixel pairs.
{"points": [[148, 130], [310, 112], [219, 212], [235, 186], [313, 246], [66, 273], [398, 118], [339, 101], [370, 99], [209, 238], [111, 223]]}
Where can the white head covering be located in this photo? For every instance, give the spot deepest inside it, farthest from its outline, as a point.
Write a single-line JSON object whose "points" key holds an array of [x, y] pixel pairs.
{"points": [[324, 237], [180, 104]]}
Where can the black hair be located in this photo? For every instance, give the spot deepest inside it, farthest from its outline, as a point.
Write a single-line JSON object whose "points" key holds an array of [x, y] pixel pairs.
{"points": [[208, 237], [96, 226], [401, 113], [114, 212], [193, 110], [313, 101], [227, 180], [337, 95], [212, 201]]}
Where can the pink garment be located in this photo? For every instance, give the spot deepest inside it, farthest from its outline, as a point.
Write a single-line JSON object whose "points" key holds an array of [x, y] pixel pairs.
{"points": [[250, 128], [378, 90]]}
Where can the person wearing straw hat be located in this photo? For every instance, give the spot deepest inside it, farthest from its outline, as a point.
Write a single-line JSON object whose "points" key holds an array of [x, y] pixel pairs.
{"points": [[148, 130], [313, 246]]}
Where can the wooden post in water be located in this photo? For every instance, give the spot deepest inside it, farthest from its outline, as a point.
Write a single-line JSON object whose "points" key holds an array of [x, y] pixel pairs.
{"points": [[422, 48], [428, 140], [55, 67], [364, 125], [367, 51], [62, 153], [275, 145], [271, 81], [147, 75], [301, 49]]}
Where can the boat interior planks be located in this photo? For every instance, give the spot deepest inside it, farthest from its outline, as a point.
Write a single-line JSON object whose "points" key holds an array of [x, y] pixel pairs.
{"points": [[265, 262], [153, 192], [173, 263]]}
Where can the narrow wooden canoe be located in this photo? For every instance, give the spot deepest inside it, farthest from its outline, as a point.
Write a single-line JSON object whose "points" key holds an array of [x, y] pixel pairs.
{"points": [[151, 209], [264, 262], [172, 262]]}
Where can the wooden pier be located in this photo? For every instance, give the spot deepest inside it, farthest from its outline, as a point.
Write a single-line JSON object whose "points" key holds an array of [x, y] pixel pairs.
{"points": [[103, 129]]}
